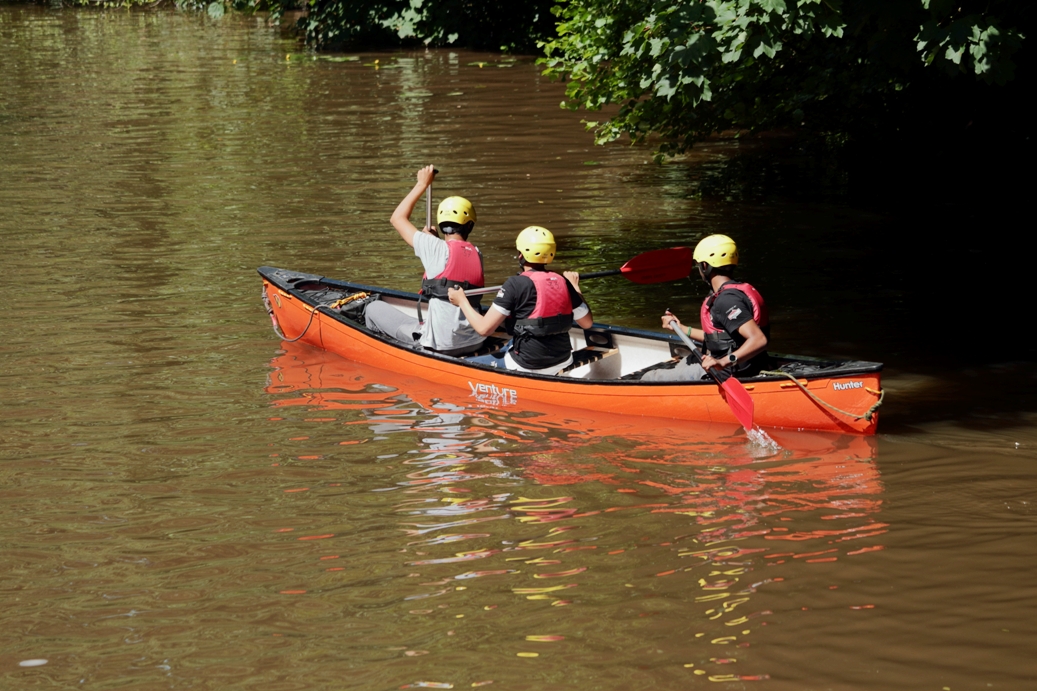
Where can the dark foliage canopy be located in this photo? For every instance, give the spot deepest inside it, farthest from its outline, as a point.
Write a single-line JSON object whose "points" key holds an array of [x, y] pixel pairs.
{"points": [[504, 25], [684, 69]]}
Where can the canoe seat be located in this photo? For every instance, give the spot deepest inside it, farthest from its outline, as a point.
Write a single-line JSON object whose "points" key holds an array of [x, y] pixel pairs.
{"points": [[489, 346], [585, 356], [636, 376]]}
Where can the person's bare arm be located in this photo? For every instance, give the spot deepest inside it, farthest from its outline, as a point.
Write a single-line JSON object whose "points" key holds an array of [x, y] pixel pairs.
{"points": [[400, 218], [587, 320], [693, 333], [484, 324], [755, 343]]}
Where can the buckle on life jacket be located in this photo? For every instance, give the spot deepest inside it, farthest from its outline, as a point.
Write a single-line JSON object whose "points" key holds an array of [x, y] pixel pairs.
{"points": [[439, 287]]}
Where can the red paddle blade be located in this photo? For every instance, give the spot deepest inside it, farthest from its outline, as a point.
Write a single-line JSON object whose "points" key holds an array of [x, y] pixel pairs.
{"points": [[659, 266], [740, 402]]}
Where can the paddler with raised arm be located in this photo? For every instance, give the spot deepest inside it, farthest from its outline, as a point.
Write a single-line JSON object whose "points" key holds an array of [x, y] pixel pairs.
{"points": [[735, 327], [449, 261], [537, 308]]}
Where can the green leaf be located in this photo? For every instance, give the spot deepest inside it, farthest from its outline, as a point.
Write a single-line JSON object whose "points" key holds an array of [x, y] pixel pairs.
{"points": [[766, 49], [954, 54], [772, 5]]}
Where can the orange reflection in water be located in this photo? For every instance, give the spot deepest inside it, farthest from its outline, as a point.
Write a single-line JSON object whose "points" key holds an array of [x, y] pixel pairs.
{"points": [[706, 519]]}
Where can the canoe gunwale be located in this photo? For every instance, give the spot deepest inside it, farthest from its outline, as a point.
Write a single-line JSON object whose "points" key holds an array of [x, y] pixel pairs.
{"points": [[290, 282]]}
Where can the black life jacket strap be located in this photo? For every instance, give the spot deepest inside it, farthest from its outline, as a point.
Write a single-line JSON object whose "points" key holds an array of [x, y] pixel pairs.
{"points": [[544, 326], [438, 287], [719, 344]]}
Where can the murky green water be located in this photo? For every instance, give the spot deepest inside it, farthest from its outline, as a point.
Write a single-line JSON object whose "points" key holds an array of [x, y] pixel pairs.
{"points": [[186, 502]]}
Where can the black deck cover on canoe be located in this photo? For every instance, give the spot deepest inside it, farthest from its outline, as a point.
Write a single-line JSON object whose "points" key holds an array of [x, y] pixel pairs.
{"points": [[322, 293]]}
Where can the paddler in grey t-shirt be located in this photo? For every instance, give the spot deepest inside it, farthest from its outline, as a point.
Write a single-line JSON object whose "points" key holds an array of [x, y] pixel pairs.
{"points": [[449, 261]]}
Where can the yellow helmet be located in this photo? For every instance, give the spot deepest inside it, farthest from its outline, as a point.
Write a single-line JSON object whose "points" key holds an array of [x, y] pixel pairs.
{"points": [[536, 244], [717, 251], [455, 210]]}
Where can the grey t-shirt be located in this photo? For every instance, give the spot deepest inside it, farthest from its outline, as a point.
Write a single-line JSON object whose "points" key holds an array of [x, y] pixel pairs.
{"points": [[445, 326]]}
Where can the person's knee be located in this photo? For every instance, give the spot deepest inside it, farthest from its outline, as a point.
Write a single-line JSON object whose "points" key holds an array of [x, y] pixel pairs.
{"points": [[371, 315], [408, 332], [382, 318], [682, 372]]}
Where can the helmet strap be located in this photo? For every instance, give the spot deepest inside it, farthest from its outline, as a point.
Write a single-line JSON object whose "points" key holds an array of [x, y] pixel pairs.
{"points": [[706, 273]]}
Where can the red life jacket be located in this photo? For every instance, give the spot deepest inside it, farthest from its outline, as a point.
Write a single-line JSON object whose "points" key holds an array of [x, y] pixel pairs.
{"points": [[553, 312], [463, 268], [718, 341]]}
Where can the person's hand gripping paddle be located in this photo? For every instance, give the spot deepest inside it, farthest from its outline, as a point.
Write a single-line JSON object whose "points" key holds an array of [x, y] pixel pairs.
{"points": [[737, 398]]}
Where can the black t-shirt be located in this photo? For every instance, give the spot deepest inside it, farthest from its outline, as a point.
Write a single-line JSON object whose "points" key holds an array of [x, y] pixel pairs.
{"points": [[517, 299], [730, 311]]}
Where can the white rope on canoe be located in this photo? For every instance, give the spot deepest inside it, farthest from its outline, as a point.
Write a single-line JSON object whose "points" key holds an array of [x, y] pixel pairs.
{"points": [[881, 393]]}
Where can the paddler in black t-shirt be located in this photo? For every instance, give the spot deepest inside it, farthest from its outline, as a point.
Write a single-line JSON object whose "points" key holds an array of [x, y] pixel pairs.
{"points": [[735, 328], [537, 307]]}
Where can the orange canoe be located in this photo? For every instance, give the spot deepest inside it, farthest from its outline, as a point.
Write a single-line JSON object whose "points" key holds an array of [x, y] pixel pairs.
{"points": [[802, 394]]}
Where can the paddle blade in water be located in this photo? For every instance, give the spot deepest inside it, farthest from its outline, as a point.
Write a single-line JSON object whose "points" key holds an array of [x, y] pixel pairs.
{"points": [[659, 266], [740, 401]]}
